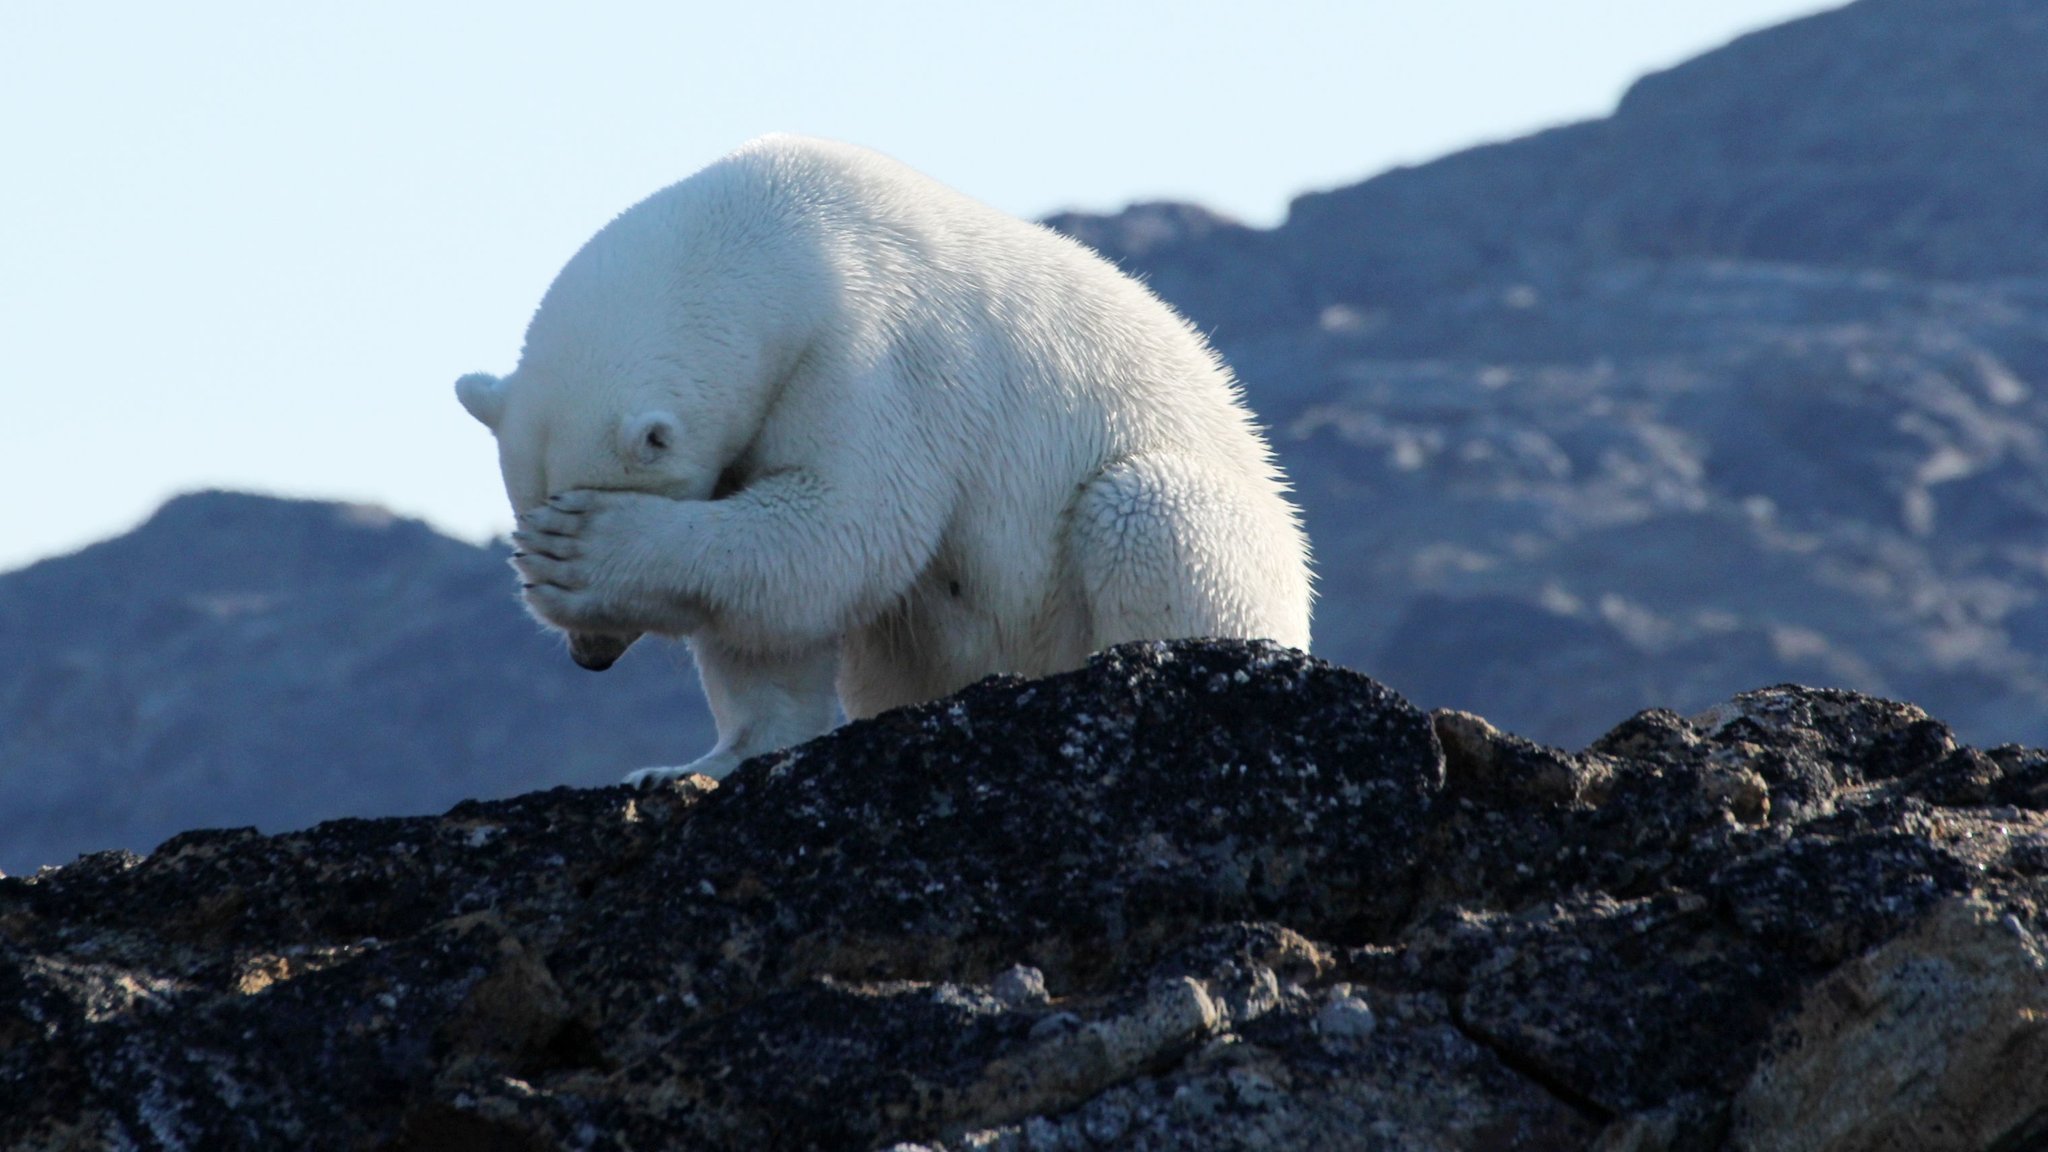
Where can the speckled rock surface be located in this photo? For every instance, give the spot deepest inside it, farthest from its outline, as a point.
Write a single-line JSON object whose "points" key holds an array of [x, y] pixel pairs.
{"points": [[1195, 896]]}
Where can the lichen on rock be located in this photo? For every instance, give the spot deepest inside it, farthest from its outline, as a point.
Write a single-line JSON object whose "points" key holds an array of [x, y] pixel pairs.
{"points": [[1196, 895]]}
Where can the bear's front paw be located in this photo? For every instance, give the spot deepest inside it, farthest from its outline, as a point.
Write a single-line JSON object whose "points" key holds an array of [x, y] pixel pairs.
{"points": [[589, 562], [558, 571], [717, 765], [547, 550]]}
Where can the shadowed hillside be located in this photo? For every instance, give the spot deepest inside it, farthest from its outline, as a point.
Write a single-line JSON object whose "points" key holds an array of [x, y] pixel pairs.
{"points": [[244, 660], [1742, 384]]}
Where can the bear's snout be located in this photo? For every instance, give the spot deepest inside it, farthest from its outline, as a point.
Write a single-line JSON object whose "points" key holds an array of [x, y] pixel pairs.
{"points": [[597, 651]]}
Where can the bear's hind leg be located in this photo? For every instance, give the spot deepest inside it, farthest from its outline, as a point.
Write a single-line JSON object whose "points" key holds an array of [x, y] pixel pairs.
{"points": [[761, 703], [1166, 549]]}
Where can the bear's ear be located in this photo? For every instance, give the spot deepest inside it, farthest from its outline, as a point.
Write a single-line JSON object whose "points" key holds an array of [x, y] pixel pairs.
{"points": [[648, 437], [484, 395]]}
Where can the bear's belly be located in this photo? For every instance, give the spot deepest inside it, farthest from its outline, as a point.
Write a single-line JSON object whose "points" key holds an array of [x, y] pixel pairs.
{"points": [[953, 630]]}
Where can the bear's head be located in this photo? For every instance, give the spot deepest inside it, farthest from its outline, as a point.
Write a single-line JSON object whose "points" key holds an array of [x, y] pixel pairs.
{"points": [[658, 352], [574, 423], [552, 439], [639, 373]]}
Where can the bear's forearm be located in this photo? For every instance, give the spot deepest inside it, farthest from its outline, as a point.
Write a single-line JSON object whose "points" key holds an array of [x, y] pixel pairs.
{"points": [[793, 560]]}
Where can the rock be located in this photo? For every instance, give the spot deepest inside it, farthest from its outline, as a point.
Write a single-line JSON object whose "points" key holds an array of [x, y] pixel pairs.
{"points": [[1345, 1016], [1197, 895], [1020, 987], [1935, 1040]]}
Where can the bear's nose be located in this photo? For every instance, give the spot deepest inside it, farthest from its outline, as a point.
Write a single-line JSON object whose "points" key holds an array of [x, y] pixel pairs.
{"points": [[598, 652]]}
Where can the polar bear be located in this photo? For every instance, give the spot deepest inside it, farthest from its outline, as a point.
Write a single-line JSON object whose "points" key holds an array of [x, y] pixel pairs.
{"points": [[864, 440]]}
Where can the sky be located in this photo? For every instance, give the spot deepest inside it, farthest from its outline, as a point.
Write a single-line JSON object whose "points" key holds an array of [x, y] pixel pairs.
{"points": [[251, 245]]}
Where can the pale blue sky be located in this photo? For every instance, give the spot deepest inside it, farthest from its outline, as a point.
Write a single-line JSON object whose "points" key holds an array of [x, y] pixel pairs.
{"points": [[252, 244]]}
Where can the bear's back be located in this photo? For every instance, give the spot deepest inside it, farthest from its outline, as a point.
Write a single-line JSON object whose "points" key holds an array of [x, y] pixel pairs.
{"points": [[1010, 303]]}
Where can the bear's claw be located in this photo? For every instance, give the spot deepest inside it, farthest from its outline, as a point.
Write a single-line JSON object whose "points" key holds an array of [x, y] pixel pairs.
{"points": [[548, 520], [538, 544]]}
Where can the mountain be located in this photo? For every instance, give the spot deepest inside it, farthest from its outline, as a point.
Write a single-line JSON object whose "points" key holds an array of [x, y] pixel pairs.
{"points": [[1741, 384], [1895, 135], [245, 660]]}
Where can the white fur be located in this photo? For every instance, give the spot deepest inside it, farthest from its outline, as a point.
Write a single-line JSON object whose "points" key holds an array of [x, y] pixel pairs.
{"points": [[952, 444]]}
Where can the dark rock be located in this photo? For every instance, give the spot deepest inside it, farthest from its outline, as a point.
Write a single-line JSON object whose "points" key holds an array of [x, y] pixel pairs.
{"points": [[1197, 895]]}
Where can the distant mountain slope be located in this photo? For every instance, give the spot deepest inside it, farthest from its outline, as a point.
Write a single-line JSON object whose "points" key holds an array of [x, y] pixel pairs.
{"points": [[1744, 383], [1908, 136], [245, 660], [1672, 481]]}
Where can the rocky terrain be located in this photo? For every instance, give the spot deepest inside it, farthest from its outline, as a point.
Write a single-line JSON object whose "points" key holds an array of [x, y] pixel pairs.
{"points": [[1196, 896]]}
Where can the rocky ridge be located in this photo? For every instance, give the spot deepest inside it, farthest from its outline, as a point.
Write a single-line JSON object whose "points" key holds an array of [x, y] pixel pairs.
{"points": [[1196, 895]]}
